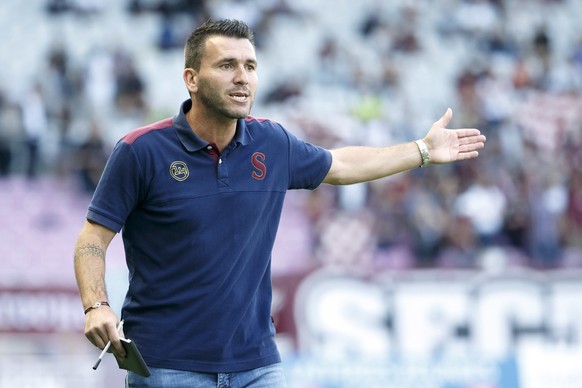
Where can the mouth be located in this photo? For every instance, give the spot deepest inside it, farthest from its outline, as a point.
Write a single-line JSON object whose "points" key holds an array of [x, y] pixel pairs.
{"points": [[240, 96]]}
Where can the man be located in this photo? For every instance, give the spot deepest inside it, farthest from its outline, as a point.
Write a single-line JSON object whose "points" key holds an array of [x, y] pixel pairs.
{"points": [[199, 197]]}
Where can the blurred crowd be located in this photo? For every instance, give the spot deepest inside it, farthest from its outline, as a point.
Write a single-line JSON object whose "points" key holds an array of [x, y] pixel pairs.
{"points": [[367, 73]]}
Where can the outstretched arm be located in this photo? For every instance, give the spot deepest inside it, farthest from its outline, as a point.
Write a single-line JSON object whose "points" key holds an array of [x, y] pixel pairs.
{"points": [[362, 164]]}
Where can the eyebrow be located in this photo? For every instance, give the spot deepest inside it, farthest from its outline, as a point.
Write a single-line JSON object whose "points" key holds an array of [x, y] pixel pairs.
{"points": [[232, 59]]}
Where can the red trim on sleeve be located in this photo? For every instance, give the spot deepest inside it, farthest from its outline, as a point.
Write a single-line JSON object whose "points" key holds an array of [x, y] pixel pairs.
{"points": [[136, 133]]}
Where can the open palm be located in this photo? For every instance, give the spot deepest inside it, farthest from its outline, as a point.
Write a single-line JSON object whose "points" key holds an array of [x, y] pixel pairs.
{"points": [[449, 145]]}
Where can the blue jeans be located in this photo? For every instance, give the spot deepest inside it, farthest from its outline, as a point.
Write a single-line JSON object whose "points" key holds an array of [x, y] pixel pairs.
{"points": [[270, 376]]}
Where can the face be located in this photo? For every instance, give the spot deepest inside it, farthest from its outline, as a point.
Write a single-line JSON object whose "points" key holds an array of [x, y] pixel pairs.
{"points": [[227, 80]]}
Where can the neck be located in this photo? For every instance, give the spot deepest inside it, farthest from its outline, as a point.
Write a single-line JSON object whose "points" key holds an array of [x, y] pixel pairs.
{"points": [[219, 131]]}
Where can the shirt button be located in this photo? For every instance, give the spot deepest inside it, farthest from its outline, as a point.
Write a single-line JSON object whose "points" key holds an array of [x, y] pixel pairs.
{"points": [[209, 147], [219, 161]]}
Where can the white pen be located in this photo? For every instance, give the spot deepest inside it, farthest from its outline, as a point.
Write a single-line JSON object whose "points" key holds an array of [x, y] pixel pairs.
{"points": [[106, 348]]}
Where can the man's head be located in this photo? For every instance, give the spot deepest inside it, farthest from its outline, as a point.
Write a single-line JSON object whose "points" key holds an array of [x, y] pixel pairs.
{"points": [[220, 69], [230, 28]]}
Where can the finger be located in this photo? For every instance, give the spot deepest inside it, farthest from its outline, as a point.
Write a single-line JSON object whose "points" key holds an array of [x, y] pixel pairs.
{"points": [[467, 155], [114, 336], [97, 338], [471, 147], [468, 132], [445, 119], [479, 140]]}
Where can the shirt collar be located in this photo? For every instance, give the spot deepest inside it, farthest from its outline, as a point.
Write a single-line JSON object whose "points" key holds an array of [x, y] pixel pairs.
{"points": [[192, 142]]}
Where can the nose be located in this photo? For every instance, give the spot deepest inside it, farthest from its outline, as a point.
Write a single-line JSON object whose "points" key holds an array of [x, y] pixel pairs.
{"points": [[241, 77]]}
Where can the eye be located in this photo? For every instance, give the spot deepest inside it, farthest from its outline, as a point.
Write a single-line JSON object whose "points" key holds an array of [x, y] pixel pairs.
{"points": [[251, 67], [226, 66]]}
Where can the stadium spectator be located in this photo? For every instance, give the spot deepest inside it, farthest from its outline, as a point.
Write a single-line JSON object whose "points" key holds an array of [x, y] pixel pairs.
{"points": [[129, 86], [35, 124], [91, 156], [6, 140], [483, 204]]}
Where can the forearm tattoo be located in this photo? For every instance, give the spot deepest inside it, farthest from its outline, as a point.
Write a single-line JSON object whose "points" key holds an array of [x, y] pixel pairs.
{"points": [[90, 250]]}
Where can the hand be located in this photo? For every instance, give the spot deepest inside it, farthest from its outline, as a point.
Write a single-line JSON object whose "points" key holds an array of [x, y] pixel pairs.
{"points": [[101, 327], [449, 145]]}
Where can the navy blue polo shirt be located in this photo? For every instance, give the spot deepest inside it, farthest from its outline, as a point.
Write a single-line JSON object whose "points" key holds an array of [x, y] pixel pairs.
{"points": [[198, 232]]}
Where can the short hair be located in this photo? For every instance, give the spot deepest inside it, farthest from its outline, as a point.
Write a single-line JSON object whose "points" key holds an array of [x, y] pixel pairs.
{"points": [[194, 48]]}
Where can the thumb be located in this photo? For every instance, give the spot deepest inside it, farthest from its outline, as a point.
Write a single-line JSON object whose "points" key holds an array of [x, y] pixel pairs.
{"points": [[445, 119]]}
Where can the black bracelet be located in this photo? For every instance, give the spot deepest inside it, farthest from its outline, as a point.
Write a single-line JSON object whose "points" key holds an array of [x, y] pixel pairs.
{"points": [[96, 305]]}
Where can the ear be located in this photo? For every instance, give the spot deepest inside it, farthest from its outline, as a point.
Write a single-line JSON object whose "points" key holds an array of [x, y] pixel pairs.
{"points": [[191, 79]]}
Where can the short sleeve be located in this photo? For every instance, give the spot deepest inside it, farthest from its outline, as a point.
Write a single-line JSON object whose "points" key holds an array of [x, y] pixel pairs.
{"points": [[119, 190], [308, 164]]}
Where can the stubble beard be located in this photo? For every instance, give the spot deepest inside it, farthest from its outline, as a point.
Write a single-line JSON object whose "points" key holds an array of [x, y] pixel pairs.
{"points": [[217, 104]]}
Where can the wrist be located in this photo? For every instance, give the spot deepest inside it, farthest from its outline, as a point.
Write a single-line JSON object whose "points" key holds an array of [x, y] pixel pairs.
{"points": [[424, 154], [96, 306]]}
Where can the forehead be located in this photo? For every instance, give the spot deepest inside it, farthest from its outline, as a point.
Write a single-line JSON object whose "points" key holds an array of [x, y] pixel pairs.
{"points": [[220, 47]]}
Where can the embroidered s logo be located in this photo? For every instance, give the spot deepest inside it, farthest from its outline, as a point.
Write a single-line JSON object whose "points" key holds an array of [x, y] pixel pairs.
{"points": [[179, 170], [260, 170]]}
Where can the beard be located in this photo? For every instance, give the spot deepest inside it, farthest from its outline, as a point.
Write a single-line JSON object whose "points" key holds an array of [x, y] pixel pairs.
{"points": [[219, 105]]}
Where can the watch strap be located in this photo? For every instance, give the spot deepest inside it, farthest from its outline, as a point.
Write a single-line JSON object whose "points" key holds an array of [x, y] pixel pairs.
{"points": [[423, 152]]}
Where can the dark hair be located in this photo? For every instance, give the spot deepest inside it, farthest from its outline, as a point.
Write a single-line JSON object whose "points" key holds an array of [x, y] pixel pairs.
{"points": [[231, 28]]}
